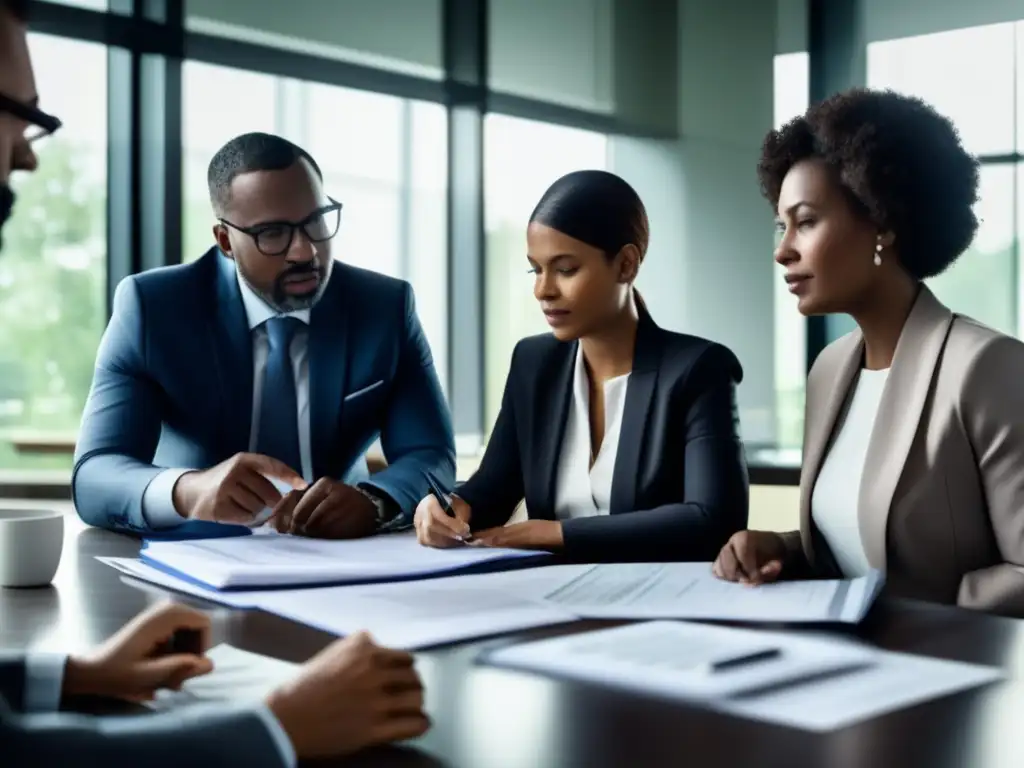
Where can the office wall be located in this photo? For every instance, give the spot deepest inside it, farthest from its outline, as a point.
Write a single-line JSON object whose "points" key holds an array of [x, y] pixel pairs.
{"points": [[609, 56], [790, 26], [710, 270], [554, 51], [399, 35]]}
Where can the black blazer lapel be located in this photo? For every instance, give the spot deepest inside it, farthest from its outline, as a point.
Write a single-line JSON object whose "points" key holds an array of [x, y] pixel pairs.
{"points": [[328, 362], [233, 353], [554, 398], [639, 396]]}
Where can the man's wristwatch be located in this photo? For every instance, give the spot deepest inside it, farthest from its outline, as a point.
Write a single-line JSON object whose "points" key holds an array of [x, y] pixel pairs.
{"points": [[386, 509]]}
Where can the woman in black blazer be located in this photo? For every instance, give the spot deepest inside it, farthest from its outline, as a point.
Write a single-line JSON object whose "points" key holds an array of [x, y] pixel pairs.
{"points": [[621, 436]]}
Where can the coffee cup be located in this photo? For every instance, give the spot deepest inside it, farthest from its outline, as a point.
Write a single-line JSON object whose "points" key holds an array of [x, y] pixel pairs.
{"points": [[31, 542]]}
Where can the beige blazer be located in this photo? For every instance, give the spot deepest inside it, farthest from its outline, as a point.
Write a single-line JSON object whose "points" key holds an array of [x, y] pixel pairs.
{"points": [[941, 502]]}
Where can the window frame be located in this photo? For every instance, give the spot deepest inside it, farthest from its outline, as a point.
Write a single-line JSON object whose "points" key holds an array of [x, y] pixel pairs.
{"points": [[147, 41]]}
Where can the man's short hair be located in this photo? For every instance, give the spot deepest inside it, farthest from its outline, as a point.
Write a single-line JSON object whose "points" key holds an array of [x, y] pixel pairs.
{"points": [[248, 153], [19, 9]]}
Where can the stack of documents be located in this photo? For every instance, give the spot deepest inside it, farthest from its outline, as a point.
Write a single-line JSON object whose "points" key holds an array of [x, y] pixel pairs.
{"points": [[691, 591], [408, 616], [812, 683], [418, 614], [250, 562]]}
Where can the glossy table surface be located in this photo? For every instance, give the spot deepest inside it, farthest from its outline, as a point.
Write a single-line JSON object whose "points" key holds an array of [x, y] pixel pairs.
{"points": [[490, 718]]}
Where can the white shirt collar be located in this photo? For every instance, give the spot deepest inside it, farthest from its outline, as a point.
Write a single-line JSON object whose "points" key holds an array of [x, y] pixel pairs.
{"points": [[257, 311]]}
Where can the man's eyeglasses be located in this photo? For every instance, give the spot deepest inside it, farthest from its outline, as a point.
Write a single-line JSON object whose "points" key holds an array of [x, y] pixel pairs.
{"points": [[40, 123], [274, 238]]}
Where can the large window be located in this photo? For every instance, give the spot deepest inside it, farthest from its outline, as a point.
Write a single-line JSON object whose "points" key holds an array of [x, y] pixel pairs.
{"points": [[384, 157], [53, 266], [981, 283], [974, 77], [790, 97], [521, 159], [967, 74]]}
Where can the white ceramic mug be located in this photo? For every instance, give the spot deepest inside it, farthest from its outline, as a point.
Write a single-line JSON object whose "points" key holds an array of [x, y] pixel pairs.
{"points": [[31, 541]]}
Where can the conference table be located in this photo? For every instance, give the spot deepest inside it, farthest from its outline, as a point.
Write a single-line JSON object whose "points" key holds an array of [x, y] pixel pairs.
{"points": [[485, 717]]}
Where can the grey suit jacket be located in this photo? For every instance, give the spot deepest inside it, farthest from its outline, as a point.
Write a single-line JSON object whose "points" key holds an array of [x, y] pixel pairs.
{"points": [[941, 504], [201, 737]]}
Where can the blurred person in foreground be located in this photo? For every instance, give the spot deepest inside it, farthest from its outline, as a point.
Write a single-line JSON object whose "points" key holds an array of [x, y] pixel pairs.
{"points": [[352, 695]]}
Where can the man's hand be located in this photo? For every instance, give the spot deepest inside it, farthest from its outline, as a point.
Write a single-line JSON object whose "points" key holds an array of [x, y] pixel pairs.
{"points": [[233, 491], [352, 695], [533, 534], [326, 510], [435, 529], [130, 664]]}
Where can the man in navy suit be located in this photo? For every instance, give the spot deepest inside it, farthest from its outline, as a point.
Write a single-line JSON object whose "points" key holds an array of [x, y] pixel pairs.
{"points": [[257, 376]]}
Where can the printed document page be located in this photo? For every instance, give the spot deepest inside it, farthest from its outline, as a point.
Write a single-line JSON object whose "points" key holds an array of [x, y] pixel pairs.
{"points": [[691, 591], [896, 681], [283, 560], [812, 682], [407, 615], [691, 661], [137, 569], [238, 677], [417, 614]]}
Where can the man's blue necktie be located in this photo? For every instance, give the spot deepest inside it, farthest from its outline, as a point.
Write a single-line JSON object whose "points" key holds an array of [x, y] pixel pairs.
{"points": [[279, 410]]}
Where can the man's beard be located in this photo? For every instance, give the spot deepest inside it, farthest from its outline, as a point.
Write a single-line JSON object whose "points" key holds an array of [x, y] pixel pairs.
{"points": [[6, 206], [281, 301]]}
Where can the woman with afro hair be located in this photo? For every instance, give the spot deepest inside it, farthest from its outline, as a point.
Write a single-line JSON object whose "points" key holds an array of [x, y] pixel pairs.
{"points": [[914, 422]]}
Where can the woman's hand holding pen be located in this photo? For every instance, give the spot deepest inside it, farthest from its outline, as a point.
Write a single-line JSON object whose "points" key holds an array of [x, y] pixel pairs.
{"points": [[435, 528]]}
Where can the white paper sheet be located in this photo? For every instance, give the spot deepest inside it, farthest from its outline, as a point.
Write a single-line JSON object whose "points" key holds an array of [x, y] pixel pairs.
{"points": [[691, 591], [817, 684], [282, 560], [417, 614], [672, 658], [407, 615], [896, 681], [138, 569], [238, 677]]}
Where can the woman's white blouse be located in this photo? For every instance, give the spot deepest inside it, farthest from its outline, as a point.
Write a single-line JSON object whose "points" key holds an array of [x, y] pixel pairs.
{"points": [[584, 489], [837, 490]]}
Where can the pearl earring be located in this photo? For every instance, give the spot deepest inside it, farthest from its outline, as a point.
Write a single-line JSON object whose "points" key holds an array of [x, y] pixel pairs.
{"points": [[878, 254]]}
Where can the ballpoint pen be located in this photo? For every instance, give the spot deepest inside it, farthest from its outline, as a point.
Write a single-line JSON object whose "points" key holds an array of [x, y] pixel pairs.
{"points": [[744, 659], [441, 496], [445, 501]]}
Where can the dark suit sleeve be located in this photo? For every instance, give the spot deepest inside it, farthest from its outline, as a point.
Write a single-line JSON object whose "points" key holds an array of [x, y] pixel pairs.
{"points": [[714, 475], [496, 488], [201, 736], [120, 426], [417, 436], [12, 680]]}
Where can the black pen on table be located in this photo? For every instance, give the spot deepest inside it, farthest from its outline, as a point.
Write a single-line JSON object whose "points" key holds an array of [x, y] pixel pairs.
{"points": [[743, 660], [444, 500]]}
